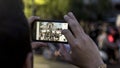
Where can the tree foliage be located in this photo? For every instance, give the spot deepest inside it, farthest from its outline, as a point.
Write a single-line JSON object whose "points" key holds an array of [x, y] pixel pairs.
{"points": [[51, 9], [55, 9], [28, 6]]}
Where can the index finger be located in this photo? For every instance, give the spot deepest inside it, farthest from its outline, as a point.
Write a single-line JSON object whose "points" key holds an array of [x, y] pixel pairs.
{"points": [[74, 25], [70, 14]]}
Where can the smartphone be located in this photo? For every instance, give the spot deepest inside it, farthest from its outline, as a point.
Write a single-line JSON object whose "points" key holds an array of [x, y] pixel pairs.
{"points": [[49, 31]]}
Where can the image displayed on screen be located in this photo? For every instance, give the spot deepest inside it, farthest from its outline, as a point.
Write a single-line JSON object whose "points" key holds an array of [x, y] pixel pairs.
{"points": [[50, 31]]}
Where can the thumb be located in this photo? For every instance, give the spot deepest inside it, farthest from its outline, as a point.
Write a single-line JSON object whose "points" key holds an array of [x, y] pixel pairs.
{"points": [[64, 54]]}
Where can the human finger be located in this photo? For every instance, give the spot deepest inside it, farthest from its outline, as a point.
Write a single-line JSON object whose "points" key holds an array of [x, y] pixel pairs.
{"points": [[37, 44], [70, 14], [32, 19], [74, 26], [64, 54], [69, 36]]}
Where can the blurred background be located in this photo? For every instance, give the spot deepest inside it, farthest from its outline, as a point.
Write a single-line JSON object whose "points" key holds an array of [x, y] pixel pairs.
{"points": [[97, 17], [95, 10]]}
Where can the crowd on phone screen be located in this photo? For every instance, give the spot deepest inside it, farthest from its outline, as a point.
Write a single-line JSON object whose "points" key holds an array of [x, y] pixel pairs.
{"points": [[106, 36]]}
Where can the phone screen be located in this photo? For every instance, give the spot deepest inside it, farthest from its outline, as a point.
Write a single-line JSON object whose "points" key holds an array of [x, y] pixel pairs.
{"points": [[49, 31]]}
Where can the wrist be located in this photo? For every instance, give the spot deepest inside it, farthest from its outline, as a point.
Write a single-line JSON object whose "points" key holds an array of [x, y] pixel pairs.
{"points": [[96, 64]]}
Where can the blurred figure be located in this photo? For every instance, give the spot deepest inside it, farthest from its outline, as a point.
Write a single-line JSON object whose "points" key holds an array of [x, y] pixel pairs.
{"points": [[101, 38], [102, 35], [94, 32], [110, 44]]}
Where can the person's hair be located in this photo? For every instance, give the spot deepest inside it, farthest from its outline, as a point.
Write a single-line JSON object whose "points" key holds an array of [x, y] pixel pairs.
{"points": [[14, 34]]}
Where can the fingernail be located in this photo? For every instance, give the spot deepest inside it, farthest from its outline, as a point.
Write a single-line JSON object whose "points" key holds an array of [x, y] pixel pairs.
{"points": [[65, 16]]}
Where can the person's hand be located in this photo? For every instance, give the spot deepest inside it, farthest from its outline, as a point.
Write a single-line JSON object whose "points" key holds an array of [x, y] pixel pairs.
{"points": [[35, 44], [85, 53], [38, 44], [32, 19]]}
